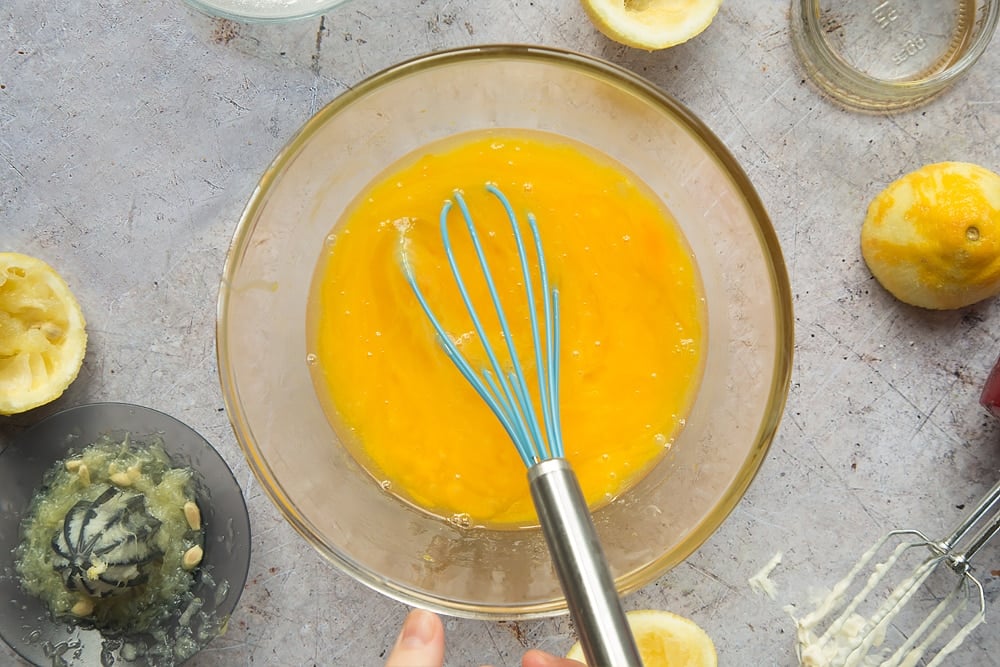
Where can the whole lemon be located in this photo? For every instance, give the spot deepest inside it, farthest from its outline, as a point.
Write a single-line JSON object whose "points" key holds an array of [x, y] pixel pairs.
{"points": [[932, 237]]}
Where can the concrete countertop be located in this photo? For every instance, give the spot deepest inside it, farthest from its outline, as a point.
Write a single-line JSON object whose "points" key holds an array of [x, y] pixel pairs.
{"points": [[131, 137]]}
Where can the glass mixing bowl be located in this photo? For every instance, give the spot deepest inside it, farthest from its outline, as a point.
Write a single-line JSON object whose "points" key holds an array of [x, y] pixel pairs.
{"points": [[314, 481], [26, 624]]}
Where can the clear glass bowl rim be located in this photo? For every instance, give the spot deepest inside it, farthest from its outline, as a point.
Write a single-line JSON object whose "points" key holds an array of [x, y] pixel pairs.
{"points": [[780, 285]]}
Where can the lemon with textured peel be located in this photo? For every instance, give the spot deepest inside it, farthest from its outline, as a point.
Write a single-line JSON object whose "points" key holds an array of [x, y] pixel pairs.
{"points": [[651, 24], [665, 639], [42, 334], [932, 237]]}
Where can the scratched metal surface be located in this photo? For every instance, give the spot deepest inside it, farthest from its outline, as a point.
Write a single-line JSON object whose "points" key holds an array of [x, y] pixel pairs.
{"points": [[132, 133]]}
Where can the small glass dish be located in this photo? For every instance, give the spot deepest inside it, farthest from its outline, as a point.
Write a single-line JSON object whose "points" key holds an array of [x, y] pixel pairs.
{"points": [[26, 624], [264, 11], [883, 55]]}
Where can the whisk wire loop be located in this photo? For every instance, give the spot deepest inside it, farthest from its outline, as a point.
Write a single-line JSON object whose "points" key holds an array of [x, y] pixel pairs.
{"points": [[490, 394], [506, 392], [509, 385], [547, 363], [935, 623], [549, 381]]}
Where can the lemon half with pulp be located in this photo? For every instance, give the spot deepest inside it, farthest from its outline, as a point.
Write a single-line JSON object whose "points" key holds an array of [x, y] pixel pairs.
{"points": [[651, 24], [932, 237], [665, 639], [43, 337]]}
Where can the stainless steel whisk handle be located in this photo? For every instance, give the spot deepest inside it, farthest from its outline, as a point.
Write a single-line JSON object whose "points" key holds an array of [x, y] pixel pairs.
{"points": [[579, 561], [988, 506]]}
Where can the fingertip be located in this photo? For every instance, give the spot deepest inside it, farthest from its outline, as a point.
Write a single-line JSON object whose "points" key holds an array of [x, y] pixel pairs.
{"points": [[420, 629], [536, 658], [420, 641]]}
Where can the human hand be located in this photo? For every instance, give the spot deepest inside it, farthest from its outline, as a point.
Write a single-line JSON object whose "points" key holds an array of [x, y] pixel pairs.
{"points": [[421, 644]]}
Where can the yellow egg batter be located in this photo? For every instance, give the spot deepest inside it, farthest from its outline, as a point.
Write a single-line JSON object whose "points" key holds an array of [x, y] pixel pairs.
{"points": [[632, 322]]}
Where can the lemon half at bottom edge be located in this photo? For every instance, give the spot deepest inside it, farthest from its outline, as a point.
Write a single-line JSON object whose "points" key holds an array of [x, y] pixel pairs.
{"points": [[665, 639], [43, 335], [651, 24]]}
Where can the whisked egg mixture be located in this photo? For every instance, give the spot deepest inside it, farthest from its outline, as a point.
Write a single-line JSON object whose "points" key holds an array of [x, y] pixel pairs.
{"points": [[632, 323]]}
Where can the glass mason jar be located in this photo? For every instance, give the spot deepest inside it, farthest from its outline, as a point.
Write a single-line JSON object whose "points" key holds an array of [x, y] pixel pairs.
{"points": [[890, 54]]}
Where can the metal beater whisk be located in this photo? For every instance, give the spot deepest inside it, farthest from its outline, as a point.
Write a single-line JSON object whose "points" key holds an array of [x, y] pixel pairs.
{"points": [[562, 511], [852, 639]]}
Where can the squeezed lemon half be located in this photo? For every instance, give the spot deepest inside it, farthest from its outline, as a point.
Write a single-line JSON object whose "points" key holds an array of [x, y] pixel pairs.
{"points": [[651, 24], [932, 237], [43, 335], [665, 639]]}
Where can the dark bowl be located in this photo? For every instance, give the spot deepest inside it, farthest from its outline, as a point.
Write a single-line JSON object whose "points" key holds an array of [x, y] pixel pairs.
{"points": [[26, 624]]}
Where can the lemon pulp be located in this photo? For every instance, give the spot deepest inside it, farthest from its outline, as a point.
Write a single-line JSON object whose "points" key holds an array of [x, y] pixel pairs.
{"points": [[145, 608], [632, 323], [665, 639], [651, 24], [42, 334]]}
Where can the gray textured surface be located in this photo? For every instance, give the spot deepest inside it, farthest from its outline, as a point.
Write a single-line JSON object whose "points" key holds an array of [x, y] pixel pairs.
{"points": [[131, 136]]}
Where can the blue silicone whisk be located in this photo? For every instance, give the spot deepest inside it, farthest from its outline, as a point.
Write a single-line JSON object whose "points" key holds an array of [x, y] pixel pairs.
{"points": [[562, 511]]}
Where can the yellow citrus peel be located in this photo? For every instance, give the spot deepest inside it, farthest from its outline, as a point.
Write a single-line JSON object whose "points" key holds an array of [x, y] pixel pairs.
{"points": [[665, 639], [932, 237], [43, 335], [651, 24]]}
